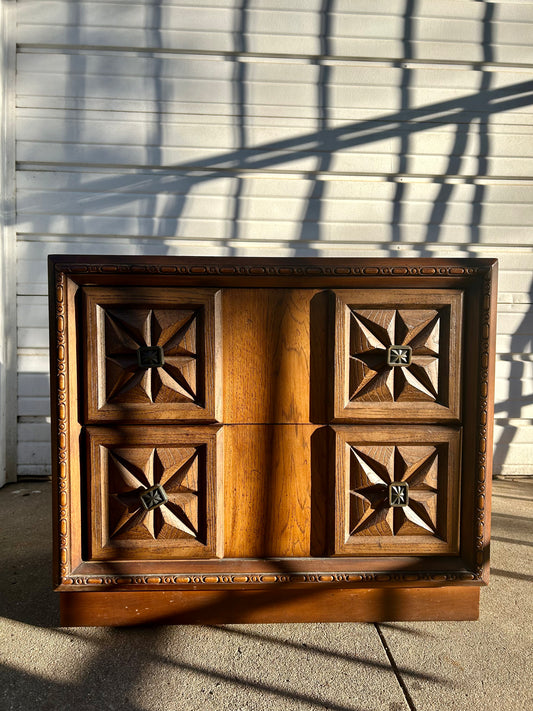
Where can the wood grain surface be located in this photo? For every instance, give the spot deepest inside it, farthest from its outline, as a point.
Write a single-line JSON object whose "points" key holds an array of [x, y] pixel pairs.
{"points": [[274, 604], [367, 323], [288, 358], [368, 459], [182, 323], [267, 355], [272, 473]]}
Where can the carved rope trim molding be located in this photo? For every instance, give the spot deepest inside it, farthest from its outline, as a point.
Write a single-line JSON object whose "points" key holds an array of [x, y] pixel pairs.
{"points": [[271, 578], [268, 270], [62, 428], [481, 468], [252, 270]]}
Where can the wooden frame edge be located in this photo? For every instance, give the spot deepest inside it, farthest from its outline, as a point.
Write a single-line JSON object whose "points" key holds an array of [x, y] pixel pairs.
{"points": [[66, 271]]}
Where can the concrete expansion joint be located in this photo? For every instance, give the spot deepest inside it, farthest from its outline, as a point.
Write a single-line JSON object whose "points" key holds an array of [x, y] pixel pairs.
{"points": [[405, 691]]}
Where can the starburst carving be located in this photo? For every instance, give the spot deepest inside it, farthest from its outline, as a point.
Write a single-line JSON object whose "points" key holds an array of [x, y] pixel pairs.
{"points": [[151, 355], [393, 490], [394, 354], [167, 480]]}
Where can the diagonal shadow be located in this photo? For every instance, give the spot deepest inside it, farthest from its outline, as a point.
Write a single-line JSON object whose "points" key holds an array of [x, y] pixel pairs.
{"points": [[521, 343], [498, 572], [112, 677], [444, 196], [514, 541], [310, 223], [280, 154], [399, 195], [328, 654]]}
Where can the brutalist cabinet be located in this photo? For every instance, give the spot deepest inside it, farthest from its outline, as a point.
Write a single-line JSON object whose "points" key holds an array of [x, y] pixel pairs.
{"points": [[249, 440]]}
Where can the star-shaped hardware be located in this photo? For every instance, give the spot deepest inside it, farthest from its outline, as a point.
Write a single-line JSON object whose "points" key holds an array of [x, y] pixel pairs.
{"points": [[151, 354], [150, 357], [399, 355], [154, 493], [380, 341], [154, 497], [398, 493], [393, 492]]}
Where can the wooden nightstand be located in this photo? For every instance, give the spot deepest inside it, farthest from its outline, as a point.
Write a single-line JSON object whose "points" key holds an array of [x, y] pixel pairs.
{"points": [[249, 440]]}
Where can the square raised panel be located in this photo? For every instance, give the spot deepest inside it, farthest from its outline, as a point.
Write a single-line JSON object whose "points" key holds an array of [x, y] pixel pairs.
{"points": [[396, 490], [151, 354], [397, 354], [154, 494]]}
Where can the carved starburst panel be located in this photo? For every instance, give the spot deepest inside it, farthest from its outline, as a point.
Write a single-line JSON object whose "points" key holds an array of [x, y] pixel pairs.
{"points": [[382, 479], [397, 490], [157, 492], [153, 493], [394, 354], [398, 353], [151, 353]]}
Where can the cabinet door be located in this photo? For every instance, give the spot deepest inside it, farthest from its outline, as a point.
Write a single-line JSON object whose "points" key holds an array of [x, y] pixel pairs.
{"points": [[151, 354], [396, 490], [154, 493], [397, 355]]}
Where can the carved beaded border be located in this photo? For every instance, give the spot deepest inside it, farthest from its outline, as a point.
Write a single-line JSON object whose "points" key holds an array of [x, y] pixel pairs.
{"points": [[483, 416], [62, 425], [270, 578], [253, 270], [238, 270]]}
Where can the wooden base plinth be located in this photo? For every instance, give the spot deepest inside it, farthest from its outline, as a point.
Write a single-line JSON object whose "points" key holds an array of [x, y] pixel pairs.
{"points": [[84, 609]]}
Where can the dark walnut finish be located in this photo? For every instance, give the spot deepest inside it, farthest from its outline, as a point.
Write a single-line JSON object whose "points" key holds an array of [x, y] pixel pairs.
{"points": [[246, 440]]}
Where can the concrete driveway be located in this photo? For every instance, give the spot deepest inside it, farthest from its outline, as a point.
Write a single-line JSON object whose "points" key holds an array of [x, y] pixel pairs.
{"points": [[340, 667]]}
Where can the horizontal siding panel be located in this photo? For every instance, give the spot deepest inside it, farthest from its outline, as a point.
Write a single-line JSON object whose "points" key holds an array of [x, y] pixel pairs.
{"points": [[34, 206], [33, 453], [443, 37], [514, 390], [34, 406], [36, 249], [513, 469], [60, 68], [216, 87], [522, 453], [516, 280], [32, 311], [516, 322], [32, 337], [101, 74], [515, 409], [277, 231], [514, 374], [425, 8], [513, 110], [144, 137], [34, 384], [186, 132], [129, 185], [517, 343], [517, 431], [33, 362], [388, 162], [35, 432]]}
